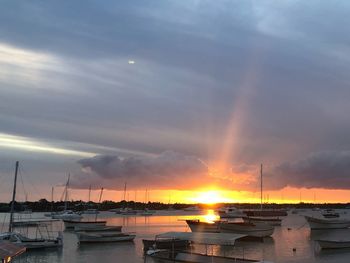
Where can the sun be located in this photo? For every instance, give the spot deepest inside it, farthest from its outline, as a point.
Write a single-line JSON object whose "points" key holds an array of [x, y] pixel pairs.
{"points": [[209, 197]]}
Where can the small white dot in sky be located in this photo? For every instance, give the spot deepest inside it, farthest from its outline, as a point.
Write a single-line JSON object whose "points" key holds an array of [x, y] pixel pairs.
{"points": [[131, 62]]}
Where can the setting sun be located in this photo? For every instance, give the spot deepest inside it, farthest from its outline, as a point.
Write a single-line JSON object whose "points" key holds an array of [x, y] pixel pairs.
{"points": [[210, 197]]}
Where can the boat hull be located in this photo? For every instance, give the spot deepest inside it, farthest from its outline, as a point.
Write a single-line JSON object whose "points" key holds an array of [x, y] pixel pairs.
{"points": [[197, 226], [167, 256], [163, 244], [269, 221], [98, 228], [333, 244], [71, 224], [96, 238], [252, 230], [317, 223]]}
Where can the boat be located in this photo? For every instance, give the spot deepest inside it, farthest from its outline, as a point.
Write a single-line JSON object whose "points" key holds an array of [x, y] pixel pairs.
{"points": [[262, 212], [24, 241], [88, 228], [330, 213], [171, 255], [333, 244], [230, 212], [67, 215], [273, 221], [127, 211], [196, 226], [164, 243], [90, 211], [147, 212], [32, 222], [71, 224], [323, 223], [252, 230], [192, 209], [9, 251], [31, 243], [104, 237]]}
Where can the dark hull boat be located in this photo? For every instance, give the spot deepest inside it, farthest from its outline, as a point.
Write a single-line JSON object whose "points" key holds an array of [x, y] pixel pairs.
{"points": [[164, 243]]}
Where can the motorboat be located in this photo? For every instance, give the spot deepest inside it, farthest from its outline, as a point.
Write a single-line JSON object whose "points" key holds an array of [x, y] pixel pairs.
{"points": [[197, 226], [327, 223], [89, 228], [71, 224], [67, 215], [31, 243], [333, 244], [171, 255], [330, 213], [253, 230], [230, 212], [165, 243], [273, 221], [104, 237]]}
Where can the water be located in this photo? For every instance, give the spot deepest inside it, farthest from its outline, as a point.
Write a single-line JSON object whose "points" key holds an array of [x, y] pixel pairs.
{"points": [[294, 233]]}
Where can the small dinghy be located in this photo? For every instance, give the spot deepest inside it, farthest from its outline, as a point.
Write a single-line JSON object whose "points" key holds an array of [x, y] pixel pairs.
{"points": [[104, 237], [71, 224]]}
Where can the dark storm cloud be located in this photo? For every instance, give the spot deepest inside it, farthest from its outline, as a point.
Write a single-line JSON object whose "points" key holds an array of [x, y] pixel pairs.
{"points": [[169, 170], [328, 170]]}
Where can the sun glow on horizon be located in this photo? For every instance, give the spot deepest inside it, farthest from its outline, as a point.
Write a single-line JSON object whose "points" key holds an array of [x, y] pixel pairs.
{"points": [[210, 197]]}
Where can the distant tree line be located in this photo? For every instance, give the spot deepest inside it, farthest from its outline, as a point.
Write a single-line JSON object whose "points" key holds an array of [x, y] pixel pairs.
{"points": [[43, 205]]}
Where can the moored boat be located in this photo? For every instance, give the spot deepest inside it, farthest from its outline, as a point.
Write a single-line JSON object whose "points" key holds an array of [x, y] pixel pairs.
{"points": [[270, 221], [333, 244], [323, 223], [230, 212], [164, 243], [253, 230], [104, 237], [89, 228], [9, 251], [70, 224], [67, 215], [197, 226]]}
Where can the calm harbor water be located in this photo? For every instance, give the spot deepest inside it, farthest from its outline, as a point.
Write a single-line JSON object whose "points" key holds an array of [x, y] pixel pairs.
{"points": [[294, 233]]}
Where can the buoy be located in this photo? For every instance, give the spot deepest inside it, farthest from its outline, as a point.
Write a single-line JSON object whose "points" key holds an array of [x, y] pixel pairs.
{"points": [[289, 228], [294, 249]]}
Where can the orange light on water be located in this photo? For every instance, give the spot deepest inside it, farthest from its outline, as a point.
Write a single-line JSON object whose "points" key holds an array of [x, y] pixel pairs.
{"points": [[210, 217]]}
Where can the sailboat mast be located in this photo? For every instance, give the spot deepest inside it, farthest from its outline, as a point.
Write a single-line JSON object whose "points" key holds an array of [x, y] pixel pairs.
{"points": [[99, 201], [89, 193], [125, 191], [13, 198], [261, 187], [51, 199], [66, 195]]}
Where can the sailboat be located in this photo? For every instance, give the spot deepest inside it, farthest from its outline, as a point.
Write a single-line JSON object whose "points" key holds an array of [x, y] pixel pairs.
{"points": [[21, 240], [269, 216], [127, 210], [66, 214], [146, 211], [71, 224], [90, 211]]}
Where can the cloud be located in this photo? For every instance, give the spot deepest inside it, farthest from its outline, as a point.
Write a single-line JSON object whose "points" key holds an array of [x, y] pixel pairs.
{"points": [[169, 170], [328, 170]]}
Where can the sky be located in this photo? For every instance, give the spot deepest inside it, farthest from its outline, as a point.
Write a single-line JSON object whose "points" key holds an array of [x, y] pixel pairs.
{"points": [[183, 98]]}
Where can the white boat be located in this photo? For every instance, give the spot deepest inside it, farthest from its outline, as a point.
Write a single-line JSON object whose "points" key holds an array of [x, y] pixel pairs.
{"points": [[273, 221], [333, 244], [128, 211], [24, 241], [230, 212], [169, 255], [147, 212], [90, 212], [31, 243], [325, 223], [104, 237], [70, 224], [253, 230], [67, 215], [197, 226], [88, 228]]}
